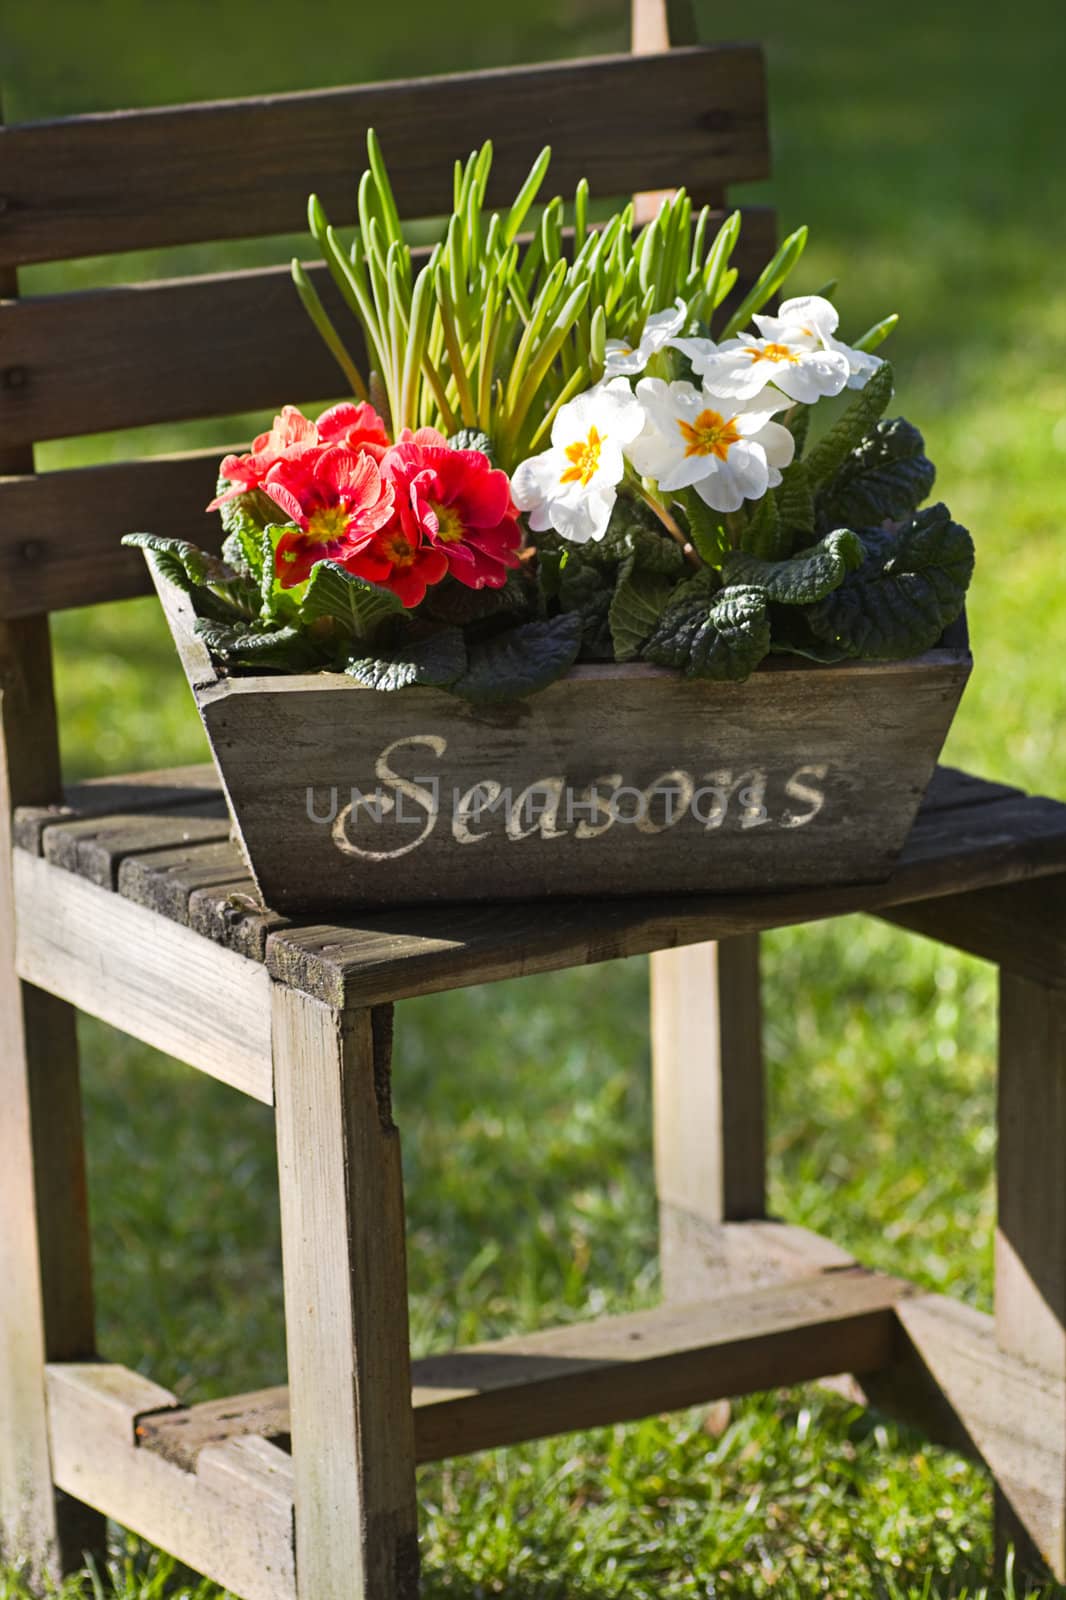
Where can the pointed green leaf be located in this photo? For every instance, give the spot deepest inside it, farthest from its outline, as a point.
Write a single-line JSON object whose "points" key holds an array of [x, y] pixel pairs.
{"points": [[765, 535]]}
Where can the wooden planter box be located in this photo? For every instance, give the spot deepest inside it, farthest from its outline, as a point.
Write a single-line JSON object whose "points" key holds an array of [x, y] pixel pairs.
{"points": [[616, 780]]}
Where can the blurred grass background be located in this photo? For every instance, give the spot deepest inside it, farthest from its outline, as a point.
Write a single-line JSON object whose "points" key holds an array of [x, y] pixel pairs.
{"points": [[922, 148]]}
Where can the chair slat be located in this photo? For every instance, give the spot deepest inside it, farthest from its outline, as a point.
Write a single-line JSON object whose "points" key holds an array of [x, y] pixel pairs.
{"points": [[235, 169], [60, 531], [189, 347]]}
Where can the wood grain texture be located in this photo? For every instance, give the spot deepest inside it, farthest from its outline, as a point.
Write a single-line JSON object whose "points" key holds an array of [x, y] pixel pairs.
{"points": [[133, 180], [708, 1093], [346, 1323], [103, 797], [152, 978], [96, 847], [612, 781], [1020, 926], [46, 1308], [232, 1519]]}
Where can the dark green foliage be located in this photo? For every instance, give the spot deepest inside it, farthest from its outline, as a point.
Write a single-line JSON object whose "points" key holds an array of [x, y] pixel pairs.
{"points": [[452, 601], [438, 659], [767, 535], [513, 665], [725, 640], [473, 439], [279, 649], [827, 456], [360, 607], [911, 584], [636, 606], [885, 478], [795, 505], [808, 576], [586, 591]]}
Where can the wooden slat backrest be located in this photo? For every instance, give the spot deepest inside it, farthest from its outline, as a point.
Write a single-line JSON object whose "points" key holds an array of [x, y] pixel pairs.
{"points": [[196, 347]]}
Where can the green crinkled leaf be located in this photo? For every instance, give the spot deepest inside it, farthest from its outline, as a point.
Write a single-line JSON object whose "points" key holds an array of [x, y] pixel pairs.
{"points": [[911, 585], [473, 439], [725, 640], [826, 457], [798, 422], [361, 608], [192, 570], [280, 649], [276, 603], [513, 665], [764, 535], [795, 505], [437, 660], [586, 591], [634, 531], [636, 606], [803, 578], [181, 563], [885, 478]]}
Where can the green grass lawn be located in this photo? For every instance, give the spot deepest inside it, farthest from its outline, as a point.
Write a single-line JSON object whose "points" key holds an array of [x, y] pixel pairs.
{"points": [[922, 146]]}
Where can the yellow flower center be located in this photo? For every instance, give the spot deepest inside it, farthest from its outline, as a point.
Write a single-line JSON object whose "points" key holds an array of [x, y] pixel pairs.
{"points": [[584, 456], [327, 523], [770, 352], [449, 522], [398, 548], [710, 435]]}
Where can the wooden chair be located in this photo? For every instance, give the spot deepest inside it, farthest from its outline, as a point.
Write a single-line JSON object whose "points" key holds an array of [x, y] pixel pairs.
{"points": [[124, 898]]}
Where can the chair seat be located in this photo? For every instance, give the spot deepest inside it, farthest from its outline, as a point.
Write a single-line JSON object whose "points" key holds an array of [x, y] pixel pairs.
{"points": [[162, 841]]}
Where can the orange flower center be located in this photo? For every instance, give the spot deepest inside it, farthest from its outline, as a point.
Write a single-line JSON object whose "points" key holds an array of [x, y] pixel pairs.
{"points": [[399, 549], [770, 352], [450, 524], [584, 458], [710, 435], [327, 523]]}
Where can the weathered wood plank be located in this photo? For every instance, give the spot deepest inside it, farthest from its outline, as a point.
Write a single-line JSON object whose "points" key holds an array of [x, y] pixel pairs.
{"points": [[231, 1520], [232, 915], [133, 180], [709, 1116], [346, 1323], [103, 797], [1021, 926], [395, 954], [614, 1369], [165, 880], [46, 1306], [152, 978], [95, 848]]}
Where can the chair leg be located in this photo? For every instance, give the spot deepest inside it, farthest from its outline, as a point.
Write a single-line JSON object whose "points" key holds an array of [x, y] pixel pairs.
{"points": [[1031, 1232], [345, 1302], [46, 1303], [708, 1107]]}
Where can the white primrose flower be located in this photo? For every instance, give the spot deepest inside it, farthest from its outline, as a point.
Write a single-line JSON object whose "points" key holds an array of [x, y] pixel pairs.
{"points": [[573, 486], [727, 452], [739, 369], [621, 360], [811, 321]]}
